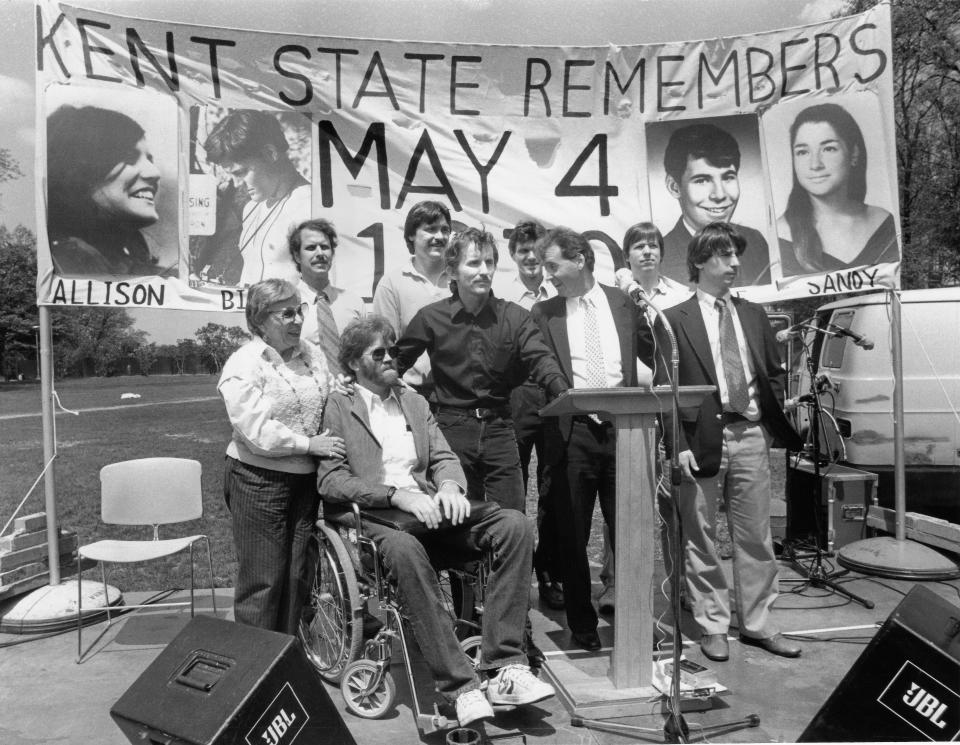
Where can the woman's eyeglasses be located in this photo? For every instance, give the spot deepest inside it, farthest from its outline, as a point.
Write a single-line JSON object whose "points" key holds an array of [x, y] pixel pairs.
{"points": [[288, 314], [379, 353]]}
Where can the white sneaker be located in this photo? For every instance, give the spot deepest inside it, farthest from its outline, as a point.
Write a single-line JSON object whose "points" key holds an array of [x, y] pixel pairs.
{"points": [[471, 706], [515, 685]]}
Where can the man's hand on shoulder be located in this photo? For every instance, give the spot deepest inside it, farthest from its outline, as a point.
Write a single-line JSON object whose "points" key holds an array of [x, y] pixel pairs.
{"points": [[422, 506]]}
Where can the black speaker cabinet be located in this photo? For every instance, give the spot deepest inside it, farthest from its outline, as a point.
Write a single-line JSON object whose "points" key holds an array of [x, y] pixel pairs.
{"points": [[845, 496], [222, 683], [904, 687]]}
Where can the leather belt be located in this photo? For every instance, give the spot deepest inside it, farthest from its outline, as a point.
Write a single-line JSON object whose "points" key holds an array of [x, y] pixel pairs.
{"points": [[499, 412], [732, 417]]}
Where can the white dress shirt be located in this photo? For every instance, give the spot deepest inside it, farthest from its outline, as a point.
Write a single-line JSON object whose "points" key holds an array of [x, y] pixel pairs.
{"points": [[390, 427], [516, 291], [345, 305], [711, 320], [609, 341]]}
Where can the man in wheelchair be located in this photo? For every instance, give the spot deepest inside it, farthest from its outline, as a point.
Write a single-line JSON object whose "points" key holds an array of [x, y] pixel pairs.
{"points": [[396, 457]]}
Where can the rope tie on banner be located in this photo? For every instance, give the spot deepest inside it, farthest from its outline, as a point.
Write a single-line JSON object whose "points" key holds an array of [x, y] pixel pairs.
{"points": [[46, 467]]}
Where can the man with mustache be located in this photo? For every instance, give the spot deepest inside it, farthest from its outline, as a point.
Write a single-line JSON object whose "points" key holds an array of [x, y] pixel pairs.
{"points": [[313, 244], [702, 162], [724, 444]]}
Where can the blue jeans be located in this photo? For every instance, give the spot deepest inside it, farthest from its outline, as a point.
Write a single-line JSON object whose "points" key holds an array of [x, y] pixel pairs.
{"points": [[508, 536], [488, 452]]}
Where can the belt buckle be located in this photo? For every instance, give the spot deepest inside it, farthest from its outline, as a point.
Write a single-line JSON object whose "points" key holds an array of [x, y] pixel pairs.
{"points": [[478, 413]]}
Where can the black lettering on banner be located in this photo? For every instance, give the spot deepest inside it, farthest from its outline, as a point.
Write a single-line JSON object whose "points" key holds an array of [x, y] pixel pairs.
{"points": [[90, 49], [616, 253], [374, 231], [663, 84], [879, 53], [426, 147], [731, 60], [819, 62], [114, 293], [135, 43], [46, 40], [483, 170], [232, 300], [121, 291], [375, 136], [763, 73], [603, 190], [424, 58], [214, 63], [454, 62], [786, 69], [376, 63], [529, 85], [337, 53], [307, 96], [568, 65], [611, 72]]}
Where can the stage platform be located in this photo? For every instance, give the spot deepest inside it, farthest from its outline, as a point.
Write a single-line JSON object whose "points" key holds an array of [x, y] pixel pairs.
{"points": [[46, 698]]}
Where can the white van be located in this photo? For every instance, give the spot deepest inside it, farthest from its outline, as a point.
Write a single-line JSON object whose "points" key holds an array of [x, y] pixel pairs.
{"points": [[861, 381]]}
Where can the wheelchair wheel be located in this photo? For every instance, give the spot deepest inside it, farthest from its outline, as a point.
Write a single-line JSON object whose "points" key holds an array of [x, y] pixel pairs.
{"points": [[471, 647], [331, 629], [363, 694]]}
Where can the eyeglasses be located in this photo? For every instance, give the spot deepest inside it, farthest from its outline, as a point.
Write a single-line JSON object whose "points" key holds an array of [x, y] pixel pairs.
{"points": [[379, 353], [288, 314]]}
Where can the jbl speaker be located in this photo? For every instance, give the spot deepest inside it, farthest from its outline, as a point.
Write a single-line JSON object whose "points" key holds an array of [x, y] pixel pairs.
{"points": [[904, 687], [223, 683], [845, 495]]}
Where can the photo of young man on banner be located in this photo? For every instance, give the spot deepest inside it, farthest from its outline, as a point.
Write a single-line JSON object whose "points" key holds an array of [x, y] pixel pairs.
{"points": [[112, 183], [707, 166], [261, 163]]}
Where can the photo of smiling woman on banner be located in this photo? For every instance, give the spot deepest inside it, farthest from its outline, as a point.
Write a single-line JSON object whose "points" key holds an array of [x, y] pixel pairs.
{"points": [[105, 188], [827, 223]]}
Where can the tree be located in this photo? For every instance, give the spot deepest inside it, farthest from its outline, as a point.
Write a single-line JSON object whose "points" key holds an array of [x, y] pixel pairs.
{"points": [[146, 355], [18, 297], [98, 337], [217, 342], [186, 349]]}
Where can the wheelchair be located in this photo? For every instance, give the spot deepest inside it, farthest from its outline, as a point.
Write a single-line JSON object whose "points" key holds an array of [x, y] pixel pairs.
{"points": [[349, 573]]}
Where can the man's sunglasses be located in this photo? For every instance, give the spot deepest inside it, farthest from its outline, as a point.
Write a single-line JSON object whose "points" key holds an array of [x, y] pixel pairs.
{"points": [[379, 353]]}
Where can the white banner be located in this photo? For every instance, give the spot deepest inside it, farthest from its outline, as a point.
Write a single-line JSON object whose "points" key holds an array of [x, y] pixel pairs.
{"points": [[787, 134]]}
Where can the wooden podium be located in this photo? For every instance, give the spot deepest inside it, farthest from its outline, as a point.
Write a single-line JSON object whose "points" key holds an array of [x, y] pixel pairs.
{"points": [[591, 689]]}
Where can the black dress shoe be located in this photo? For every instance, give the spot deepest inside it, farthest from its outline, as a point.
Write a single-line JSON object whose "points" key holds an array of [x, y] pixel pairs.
{"points": [[588, 640], [715, 647], [775, 644], [551, 593]]}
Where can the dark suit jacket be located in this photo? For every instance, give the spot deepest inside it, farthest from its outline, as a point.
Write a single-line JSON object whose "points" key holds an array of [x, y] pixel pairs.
{"points": [[636, 342], [701, 428], [754, 263], [359, 476]]}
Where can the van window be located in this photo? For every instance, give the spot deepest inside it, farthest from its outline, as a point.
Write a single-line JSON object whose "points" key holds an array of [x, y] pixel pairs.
{"points": [[834, 346]]}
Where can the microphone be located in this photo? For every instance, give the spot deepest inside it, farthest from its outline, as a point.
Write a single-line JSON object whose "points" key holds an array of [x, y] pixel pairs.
{"points": [[859, 339], [792, 403], [628, 285], [785, 335]]}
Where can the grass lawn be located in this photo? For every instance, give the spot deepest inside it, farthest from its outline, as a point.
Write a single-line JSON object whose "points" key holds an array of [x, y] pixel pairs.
{"points": [[175, 416]]}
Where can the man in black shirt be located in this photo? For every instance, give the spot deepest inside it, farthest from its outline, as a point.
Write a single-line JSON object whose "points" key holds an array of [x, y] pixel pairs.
{"points": [[481, 348]]}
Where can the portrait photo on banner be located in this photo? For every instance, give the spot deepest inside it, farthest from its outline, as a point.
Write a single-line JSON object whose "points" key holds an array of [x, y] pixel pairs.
{"points": [[250, 183], [709, 170], [112, 199], [830, 179]]}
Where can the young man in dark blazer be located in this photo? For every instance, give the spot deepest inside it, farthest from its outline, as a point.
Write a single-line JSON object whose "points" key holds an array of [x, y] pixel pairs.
{"points": [[724, 444], [597, 334]]}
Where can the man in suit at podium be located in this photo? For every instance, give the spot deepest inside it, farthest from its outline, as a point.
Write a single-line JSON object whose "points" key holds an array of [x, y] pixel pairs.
{"points": [[597, 333], [724, 444]]}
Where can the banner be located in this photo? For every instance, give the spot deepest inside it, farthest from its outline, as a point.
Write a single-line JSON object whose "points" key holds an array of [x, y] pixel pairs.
{"points": [[151, 200]]}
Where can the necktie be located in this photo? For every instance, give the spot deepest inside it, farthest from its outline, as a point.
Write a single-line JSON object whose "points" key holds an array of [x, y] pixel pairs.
{"points": [[739, 397], [327, 330], [594, 354]]}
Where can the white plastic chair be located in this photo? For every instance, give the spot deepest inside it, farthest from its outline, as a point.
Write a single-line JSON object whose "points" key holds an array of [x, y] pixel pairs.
{"points": [[147, 491]]}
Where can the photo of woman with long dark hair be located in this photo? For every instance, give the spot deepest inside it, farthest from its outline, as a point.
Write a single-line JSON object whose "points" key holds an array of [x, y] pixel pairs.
{"points": [[827, 224], [102, 185]]}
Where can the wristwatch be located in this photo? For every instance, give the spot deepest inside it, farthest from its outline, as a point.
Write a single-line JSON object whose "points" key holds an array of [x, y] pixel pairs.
{"points": [[390, 492]]}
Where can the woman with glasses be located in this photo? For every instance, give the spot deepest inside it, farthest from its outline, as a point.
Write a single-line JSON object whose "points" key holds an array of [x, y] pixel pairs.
{"points": [[274, 388]]}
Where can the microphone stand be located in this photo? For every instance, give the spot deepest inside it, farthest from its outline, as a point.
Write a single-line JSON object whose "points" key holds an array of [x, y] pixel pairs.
{"points": [[675, 728]]}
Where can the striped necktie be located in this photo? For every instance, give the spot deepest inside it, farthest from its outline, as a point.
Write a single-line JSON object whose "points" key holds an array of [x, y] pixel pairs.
{"points": [[328, 333], [737, 393]]}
